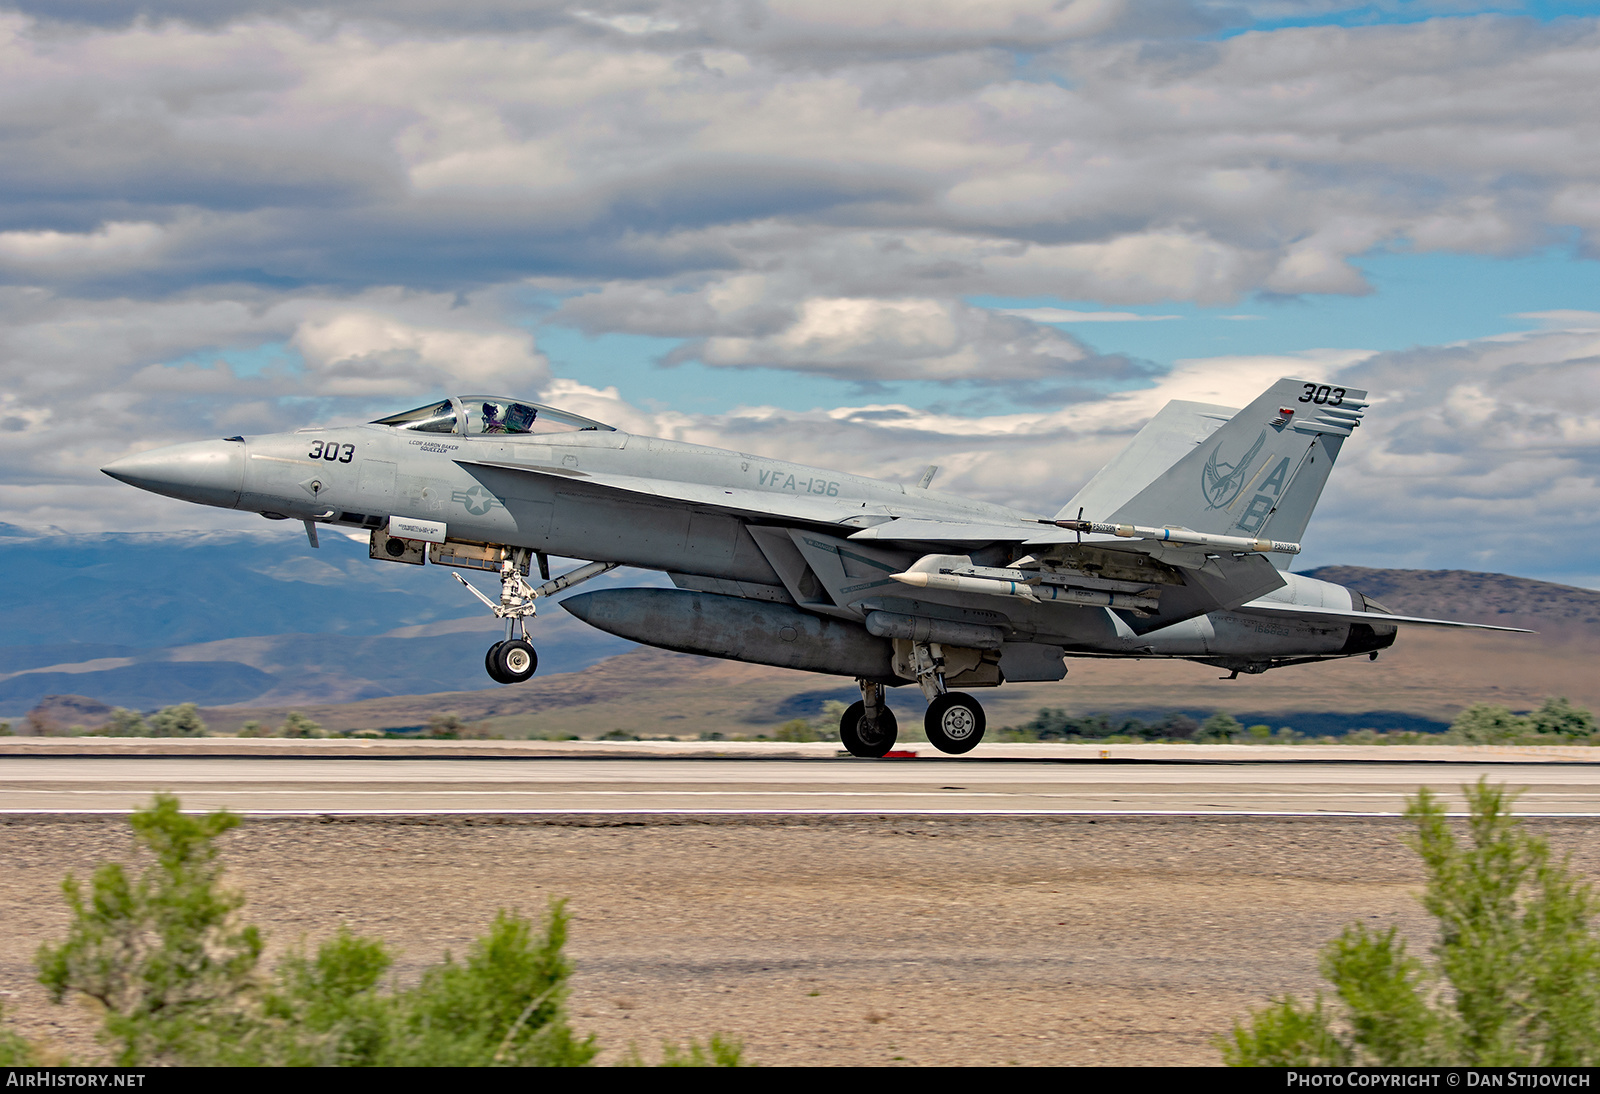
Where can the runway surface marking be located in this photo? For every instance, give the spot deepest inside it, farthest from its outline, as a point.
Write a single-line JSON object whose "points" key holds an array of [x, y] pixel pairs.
{"points": [[324, 786]]}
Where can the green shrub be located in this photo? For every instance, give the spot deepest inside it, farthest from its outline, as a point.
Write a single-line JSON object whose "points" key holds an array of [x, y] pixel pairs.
{"points": [[126, 723], [163, 954], [1556, 717], [297, 725], [1220, 728], [1515, 976], [1486, 724], [718, 1052], [796, 731], [15, 1051], [444, 727], [179, 721], [175, 973], [1554, 721]]}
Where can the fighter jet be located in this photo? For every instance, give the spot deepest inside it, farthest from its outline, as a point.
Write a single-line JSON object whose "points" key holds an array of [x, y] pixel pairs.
{"points": [[1179, 548]]}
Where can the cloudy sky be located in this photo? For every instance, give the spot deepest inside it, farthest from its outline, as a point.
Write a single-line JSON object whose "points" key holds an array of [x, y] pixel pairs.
{"points": [[870, 234]]}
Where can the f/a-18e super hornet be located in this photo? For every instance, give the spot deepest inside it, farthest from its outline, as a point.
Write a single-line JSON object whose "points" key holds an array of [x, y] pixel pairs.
{"points": [[1177, 549]]}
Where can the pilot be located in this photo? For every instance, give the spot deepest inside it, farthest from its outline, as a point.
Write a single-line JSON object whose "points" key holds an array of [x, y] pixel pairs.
{"points": [[491, 419]]}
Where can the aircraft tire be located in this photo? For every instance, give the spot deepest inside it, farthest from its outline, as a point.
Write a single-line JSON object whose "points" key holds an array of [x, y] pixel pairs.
{"points": [[516, 661], [954, 723], [868, 745], [491, 664]]}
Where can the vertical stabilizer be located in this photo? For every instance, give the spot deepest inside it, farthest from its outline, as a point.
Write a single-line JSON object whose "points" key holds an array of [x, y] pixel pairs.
{"points": [[1260, 474], [1165, 439]]}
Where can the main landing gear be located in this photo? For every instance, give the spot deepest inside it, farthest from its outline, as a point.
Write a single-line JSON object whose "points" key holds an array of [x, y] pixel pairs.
{"points": [[514, 660], [868, 728], [954, 722]]}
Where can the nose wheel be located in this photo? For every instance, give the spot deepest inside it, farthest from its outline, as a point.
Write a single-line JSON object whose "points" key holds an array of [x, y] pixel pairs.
{"points": [[954, 723], [511, 661]]}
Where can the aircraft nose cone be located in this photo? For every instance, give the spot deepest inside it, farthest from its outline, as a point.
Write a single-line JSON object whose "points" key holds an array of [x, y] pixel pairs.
{"points": [[207, 472]]}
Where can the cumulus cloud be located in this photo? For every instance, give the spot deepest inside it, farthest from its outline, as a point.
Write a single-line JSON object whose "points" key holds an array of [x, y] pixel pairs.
{"points": [[917, 339], [238, 216], [325, 151], [1066, 315], [374, 352], [85, 380]]}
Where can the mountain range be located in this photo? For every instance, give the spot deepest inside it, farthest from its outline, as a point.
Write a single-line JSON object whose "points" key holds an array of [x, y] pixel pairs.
{"points": [[253, 624]]}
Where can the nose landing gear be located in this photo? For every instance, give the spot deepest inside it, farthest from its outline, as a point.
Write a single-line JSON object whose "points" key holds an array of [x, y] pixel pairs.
{"points": [[511, 661], [514, 660]]}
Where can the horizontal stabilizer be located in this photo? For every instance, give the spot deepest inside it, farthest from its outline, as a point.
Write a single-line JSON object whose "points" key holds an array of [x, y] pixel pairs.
{"points": [[1378, 619]]}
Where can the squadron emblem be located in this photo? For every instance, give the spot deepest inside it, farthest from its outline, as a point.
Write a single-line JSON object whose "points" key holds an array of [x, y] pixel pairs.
{"points": [[1221, 482]]}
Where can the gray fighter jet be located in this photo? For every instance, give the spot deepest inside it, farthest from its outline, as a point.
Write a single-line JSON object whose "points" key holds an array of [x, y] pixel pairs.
{"points": [[1178, 548]]}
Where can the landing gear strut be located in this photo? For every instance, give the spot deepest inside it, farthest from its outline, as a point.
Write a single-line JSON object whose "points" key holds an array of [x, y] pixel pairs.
{"points": [[514, 660], [869, 728], [954, 722]]}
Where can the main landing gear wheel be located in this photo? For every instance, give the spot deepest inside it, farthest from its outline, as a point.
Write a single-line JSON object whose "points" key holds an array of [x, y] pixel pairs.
{"points": [[954, 723], [869, 741], [515, 661]]}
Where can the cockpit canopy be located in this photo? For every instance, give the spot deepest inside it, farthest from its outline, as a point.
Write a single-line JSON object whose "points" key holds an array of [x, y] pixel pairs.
{"points": [[490, 414]]}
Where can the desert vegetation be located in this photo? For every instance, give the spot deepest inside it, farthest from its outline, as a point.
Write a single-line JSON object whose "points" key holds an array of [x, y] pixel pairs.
{"points": [[174, 970], [1514, 978], [1556, 721]]}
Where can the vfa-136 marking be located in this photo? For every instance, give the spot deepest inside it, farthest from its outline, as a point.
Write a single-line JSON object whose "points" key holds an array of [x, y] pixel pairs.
{"points": [[1176, 549]]}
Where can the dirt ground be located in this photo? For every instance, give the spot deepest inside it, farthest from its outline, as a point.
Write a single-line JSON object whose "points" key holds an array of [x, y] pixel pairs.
{"points": [[817, 941]]}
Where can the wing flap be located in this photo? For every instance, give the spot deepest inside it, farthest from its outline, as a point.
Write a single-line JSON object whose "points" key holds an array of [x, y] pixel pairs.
{"points": [[922, 530]]}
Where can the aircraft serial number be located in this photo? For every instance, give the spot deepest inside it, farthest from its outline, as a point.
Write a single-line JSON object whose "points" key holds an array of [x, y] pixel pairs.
{"points": [[332, 452], [1323, 395], [777, 480]]}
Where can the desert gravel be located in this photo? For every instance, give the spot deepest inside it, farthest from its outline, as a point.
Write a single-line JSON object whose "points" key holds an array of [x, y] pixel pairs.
{"points": [[820, 941]]}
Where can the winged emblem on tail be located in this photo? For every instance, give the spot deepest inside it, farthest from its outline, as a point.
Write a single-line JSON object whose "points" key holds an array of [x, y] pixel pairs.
{"points": [[1222, 482]]}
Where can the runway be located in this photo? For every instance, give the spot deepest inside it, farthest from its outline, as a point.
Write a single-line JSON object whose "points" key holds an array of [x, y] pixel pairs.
{"points": [[745, 785]]}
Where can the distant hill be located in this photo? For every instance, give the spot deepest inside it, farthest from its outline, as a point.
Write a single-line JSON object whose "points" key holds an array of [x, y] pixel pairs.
{"points": [[1420, 683], [1472, 597], [150, 590], [144, 620], [259, 622]]}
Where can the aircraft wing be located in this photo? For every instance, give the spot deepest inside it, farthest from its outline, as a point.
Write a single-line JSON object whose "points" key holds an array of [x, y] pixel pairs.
{"points": [[1026, 532], [921, 530], [756, 503], [1269, 607]]}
